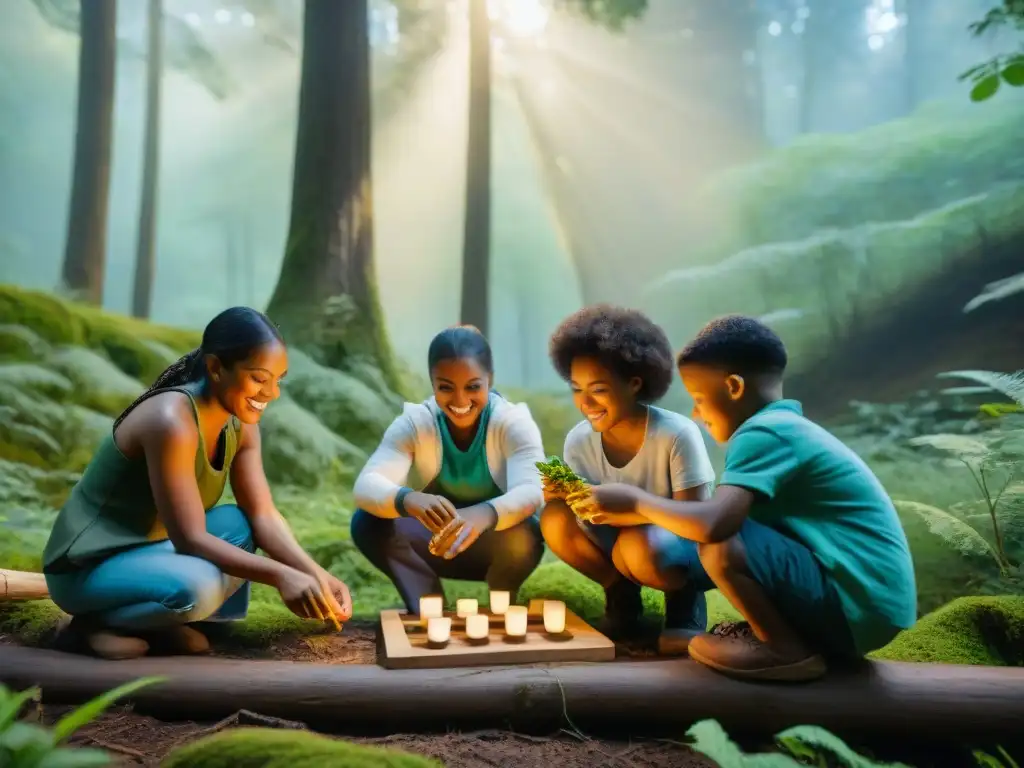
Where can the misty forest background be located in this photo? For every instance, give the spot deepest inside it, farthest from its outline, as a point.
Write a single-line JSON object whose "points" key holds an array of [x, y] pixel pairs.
{"points": [[826, 165]]}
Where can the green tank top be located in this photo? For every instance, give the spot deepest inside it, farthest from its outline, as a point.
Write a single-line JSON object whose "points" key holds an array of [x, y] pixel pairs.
{"points": [[111, 508], [465, 479]]}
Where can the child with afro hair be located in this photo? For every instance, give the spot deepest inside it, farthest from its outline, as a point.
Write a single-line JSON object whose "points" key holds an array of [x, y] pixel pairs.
{"points": [[618, 363], [800, 536]]}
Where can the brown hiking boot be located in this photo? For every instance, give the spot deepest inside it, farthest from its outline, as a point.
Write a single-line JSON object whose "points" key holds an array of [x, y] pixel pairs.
{"points": [[734, 650]]}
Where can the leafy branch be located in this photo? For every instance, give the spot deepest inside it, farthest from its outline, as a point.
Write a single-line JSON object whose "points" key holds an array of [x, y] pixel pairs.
{"points": [[988, 76]]}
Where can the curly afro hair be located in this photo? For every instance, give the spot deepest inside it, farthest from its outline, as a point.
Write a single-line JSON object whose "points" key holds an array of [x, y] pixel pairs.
{"points": [[737, 344], [624, 340]]}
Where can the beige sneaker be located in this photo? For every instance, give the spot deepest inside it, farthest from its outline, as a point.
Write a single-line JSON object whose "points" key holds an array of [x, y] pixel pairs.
{"points": [[109, 645]]}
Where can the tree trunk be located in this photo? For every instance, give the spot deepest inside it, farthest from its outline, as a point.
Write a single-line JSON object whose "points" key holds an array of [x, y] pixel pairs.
{"points": [[329, 252], [882, 699], [145, 255], [476, 244], [85, 251]]}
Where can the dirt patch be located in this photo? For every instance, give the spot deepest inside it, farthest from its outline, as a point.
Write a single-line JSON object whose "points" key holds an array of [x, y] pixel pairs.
{"points": [[139, 740]]}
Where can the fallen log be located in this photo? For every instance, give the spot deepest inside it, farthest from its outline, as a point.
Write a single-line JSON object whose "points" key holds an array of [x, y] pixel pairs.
{"points": [[21, 585], [881, 699]]}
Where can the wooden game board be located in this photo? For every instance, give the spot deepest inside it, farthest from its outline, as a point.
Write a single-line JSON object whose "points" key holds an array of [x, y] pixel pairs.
{"points": [[402, 643]]}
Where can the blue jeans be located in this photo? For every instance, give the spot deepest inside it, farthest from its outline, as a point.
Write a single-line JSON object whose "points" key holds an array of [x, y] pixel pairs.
{"points": [[685, 608], [153, 586], [786, 570]]}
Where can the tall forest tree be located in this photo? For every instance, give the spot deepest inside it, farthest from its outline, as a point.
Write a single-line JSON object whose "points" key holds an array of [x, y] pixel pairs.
{"points": [[327, 273], [833, 47], [145, 254], [476, 243], [85, 250]]}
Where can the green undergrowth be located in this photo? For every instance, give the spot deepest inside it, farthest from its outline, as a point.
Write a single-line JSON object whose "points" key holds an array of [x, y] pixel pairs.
{"points": [[269, 748]]}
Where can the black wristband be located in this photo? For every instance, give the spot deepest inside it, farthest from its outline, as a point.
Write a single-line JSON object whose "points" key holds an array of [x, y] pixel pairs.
{"points": [[400, 501]]}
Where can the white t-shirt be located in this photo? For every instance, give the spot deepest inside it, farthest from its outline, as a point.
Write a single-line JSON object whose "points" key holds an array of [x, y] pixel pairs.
{"points": [[672, 458]]}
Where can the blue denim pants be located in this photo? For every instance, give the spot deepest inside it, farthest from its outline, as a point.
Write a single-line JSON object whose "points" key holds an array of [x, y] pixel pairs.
{"points": [[153, 586]]}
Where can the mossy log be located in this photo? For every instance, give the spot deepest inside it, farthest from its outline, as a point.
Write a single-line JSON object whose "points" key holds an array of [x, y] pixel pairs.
{"points": [[20, 585], [900, 700]]}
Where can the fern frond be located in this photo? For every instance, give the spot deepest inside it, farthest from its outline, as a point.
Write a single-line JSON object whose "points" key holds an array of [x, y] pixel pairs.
{"points": [[1010, 385], [959, 444], [955, 532], [997, 291]]}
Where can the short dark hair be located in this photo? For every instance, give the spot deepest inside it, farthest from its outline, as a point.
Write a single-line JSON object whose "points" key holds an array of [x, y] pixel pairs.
{"points": [[232, 336], [737, 344], [625, 340], [461, 342]]}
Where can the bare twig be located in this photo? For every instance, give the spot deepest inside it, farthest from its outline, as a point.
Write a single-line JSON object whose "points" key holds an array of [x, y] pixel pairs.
{"points": [[111, 747]]}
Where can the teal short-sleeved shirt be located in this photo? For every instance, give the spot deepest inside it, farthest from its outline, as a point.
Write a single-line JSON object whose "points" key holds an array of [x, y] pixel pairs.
{"points": [[814, 489]]}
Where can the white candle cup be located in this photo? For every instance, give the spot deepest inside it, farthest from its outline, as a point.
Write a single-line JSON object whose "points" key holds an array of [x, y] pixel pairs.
{"points": [[500, 600], [439, 629], [465, 606], [431, 607], [478, 626], [515, 621], [554, 617]]}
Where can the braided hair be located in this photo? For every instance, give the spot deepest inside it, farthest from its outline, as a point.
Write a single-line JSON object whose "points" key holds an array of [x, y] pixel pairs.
{"points": [[232, 336]]}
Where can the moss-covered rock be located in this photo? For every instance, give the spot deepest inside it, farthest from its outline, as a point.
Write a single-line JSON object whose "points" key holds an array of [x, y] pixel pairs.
{"points": [[272, 748], [18, 342], [44, 433], [140, 349], [21, 484], [346, 405], [810, 289], [48, 316], [299, 450], [98, 384], [969, 630], [893, 171]]}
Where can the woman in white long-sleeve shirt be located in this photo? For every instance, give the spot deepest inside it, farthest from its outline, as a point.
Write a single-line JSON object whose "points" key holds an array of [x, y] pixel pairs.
{"points": [[466, 451]]}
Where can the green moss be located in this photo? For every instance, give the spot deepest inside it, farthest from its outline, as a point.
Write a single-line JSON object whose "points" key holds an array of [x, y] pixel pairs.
{"points": [[343, 403], [889, 172], [299, 450], [48, 316], [32, 621], [969, 630], [138, 348], [272, 748], [839, 278], [18, 342], [98, 384]]}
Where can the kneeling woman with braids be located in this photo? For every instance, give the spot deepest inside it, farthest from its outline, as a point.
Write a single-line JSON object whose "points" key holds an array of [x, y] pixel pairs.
{"points": [[141, 550]]}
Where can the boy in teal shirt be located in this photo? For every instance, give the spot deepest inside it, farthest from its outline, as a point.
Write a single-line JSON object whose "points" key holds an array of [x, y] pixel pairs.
{"points": [[799, 536]]}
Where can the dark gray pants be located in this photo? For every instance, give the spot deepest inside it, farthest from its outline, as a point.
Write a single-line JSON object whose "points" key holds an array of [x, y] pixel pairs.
{"points": [[398, 548]]}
